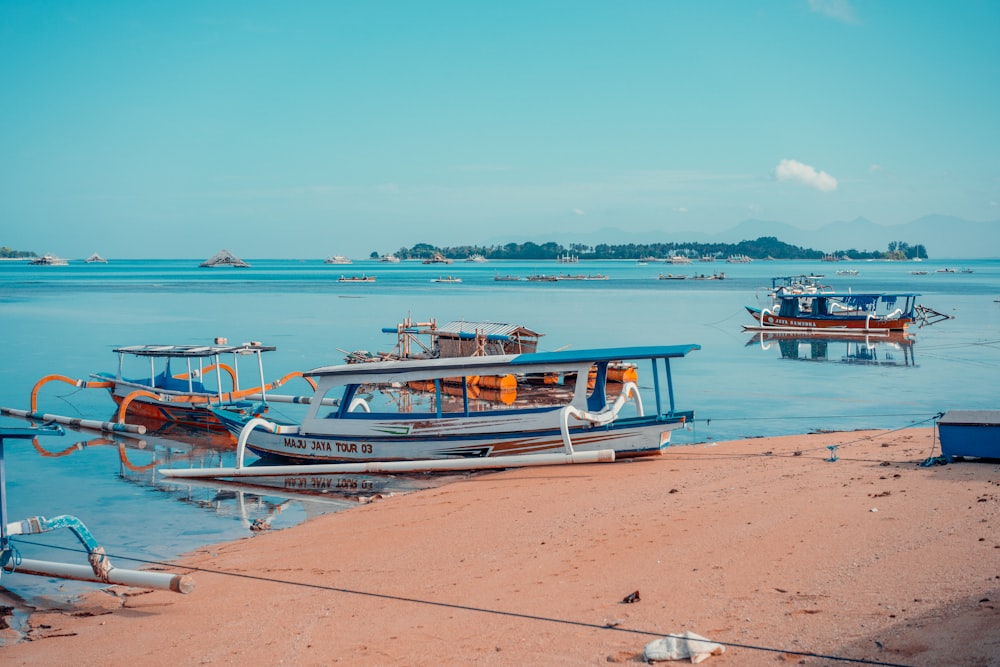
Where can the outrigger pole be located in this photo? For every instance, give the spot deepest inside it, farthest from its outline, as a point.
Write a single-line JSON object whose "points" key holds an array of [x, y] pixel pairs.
{"points": [[99, 570]]}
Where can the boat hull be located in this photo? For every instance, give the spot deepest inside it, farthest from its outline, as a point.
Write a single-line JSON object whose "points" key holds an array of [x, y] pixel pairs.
{"points": [[830, 323], [418, 439]]}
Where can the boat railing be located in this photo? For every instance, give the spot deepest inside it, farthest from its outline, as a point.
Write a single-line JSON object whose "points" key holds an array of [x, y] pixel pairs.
{"points": [[763, 315], [359, 402]]}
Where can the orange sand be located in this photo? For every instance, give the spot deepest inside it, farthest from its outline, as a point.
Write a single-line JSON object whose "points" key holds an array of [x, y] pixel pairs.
{"points": [[760, 544]]}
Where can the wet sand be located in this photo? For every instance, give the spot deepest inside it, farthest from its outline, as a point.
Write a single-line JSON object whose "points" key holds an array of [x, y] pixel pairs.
{"points": [[763, 545]]}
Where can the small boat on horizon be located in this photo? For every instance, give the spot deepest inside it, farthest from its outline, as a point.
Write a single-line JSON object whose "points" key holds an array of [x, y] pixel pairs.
{"points": [[223, 259], [363, 278], [337, 259], [446, 279], [437, 258], [95, 259], [49, 260]]}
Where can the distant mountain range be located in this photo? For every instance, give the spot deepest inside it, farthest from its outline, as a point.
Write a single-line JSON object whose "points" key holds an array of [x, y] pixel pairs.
{"points": [[944, 237]]}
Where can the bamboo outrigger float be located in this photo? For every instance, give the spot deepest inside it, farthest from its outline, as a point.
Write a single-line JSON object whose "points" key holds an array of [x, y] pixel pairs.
{"points": [[99, 568]]}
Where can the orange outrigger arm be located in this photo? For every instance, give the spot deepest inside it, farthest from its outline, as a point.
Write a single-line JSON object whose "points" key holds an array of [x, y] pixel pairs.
{"points": [[86, 384]]}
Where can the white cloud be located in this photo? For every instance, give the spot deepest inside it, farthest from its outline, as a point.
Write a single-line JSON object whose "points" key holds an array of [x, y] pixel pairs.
{"points": [[874, 168], [793, 170], [579, 211], [840, 10]]}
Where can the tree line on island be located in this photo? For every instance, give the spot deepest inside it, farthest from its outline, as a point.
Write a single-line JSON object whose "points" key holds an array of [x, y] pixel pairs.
{"points": [[765, 247]]}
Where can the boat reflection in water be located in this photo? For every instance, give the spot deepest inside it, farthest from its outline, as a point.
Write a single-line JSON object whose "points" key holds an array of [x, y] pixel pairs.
{"points": [[256, 502], [881, 350]]}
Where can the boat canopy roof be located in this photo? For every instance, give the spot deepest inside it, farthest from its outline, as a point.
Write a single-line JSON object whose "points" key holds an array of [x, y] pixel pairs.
{"points": [[193, 350], [847, 296], [538, 362]]}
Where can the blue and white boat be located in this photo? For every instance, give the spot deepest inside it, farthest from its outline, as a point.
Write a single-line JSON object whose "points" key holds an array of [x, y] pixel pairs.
{"points": [[578, 408]]}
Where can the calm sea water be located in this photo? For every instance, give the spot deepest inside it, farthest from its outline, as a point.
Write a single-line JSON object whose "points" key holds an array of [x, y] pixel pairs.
{"points": [[66, 320]]}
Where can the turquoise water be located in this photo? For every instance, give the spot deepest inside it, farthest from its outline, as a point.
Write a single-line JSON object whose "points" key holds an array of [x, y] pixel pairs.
{"points": [[67, 320]]}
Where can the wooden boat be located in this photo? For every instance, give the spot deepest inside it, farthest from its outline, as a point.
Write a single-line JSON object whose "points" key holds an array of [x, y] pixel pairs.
{"points": [[672, 276], [356, 279], [711, 276], [837, 312], [458, 338], [166, 394], [569, 421]]}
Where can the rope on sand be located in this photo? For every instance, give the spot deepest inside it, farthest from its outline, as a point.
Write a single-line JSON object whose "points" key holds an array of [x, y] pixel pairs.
{"points": [[495, 612]]}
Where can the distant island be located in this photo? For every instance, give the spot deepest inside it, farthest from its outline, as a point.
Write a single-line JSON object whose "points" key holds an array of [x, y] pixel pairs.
{"points": [[7, 253], [765, 247]]}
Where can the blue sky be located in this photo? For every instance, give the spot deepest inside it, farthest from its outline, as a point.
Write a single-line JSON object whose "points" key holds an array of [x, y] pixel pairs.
{"points": [[306, 129]]}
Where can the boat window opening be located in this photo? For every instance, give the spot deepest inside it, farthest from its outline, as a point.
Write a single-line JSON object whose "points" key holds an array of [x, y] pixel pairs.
{"points": [[656, 385], [345, 400], [598, 398], [437, 396], [670, 385]]}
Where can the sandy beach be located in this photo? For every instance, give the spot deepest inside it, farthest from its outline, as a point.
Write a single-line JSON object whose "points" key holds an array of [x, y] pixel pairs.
{"points": [[763, 545]]}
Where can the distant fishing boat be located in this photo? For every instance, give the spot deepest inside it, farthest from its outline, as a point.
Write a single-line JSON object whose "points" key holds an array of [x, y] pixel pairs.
{"points": [[446, 279], [337, 259], [809, 307], [95, 259], [437, 258], [224, 258], [49, 260], [356, 279]]}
